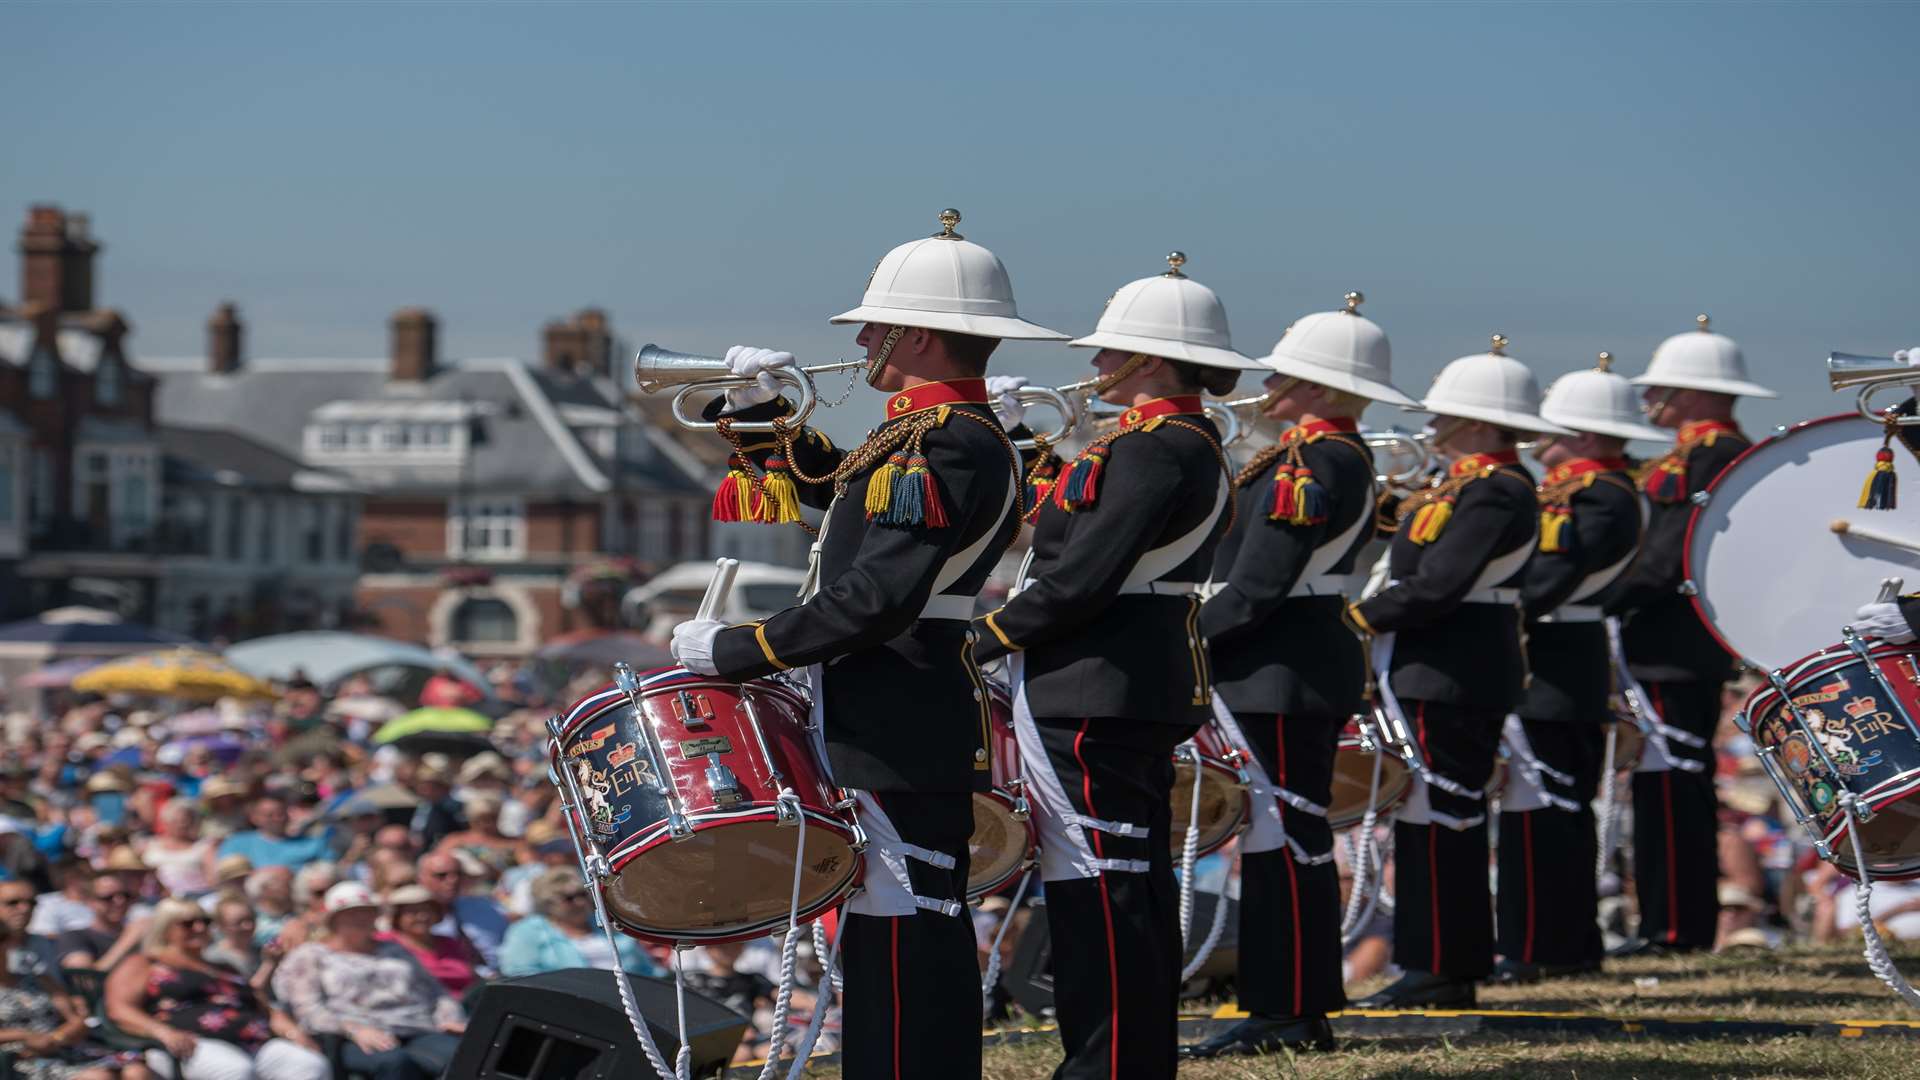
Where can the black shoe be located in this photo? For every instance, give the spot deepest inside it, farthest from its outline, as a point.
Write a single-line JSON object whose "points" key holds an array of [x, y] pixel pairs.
{"points": [[1646, 947], [1265, 1035], [1519, 972], [1417, 989]]}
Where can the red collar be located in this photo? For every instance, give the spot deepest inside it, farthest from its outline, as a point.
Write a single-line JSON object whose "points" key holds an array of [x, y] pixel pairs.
{"points": [[1704, 431], [931, 395], [1314, 429], [1474, 463], [1158, 407], [1567, 470]]}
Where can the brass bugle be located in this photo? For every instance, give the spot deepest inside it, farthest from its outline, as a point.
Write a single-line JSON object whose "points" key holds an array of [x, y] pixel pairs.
{"points": [[656, 369], [1872, 374], [1416, 446], [1047, 396]]}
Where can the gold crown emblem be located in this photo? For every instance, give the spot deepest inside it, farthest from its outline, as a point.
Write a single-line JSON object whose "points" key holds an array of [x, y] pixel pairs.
{"points": [[902, 403]]}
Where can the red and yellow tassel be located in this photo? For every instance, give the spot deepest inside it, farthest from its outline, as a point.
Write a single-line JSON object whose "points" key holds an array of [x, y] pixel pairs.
{"points": [[1080, 487], [738, 497], [1286, 495], [1430, 520], [1666, 481], [1556, 530], [1309, 499], [779, 498]]}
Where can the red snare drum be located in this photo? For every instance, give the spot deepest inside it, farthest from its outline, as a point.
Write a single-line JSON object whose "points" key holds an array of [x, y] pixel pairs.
{"points": [[1004, 841], [1842, 720], [1225, 807], [708, 856], [1353, 763]]}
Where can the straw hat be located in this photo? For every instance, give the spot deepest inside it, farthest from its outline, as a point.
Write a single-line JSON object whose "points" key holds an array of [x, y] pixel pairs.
{"points": [[231, 868], [124, 860]]}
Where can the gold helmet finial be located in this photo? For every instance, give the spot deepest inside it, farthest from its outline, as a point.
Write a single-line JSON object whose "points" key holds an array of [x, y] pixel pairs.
{"points": [[1499, 344], [1354, 300], [1701, 320], [1175, 260], [948, 219], [1605, 363]]}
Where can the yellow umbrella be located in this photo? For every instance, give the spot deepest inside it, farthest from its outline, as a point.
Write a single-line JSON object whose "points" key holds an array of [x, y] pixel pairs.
{"points": [[179, 673]]}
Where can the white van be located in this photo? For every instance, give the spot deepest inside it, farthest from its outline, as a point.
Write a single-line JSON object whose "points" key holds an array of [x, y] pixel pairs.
{"points": [[672, 596]]}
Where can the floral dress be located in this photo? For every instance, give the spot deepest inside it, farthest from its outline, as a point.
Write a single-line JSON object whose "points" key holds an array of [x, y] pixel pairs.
{"points": [[24, 1007], [217, 1007]]}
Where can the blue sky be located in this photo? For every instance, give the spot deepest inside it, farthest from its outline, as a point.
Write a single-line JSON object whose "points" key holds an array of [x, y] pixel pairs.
{"points": [[1579, 177]]}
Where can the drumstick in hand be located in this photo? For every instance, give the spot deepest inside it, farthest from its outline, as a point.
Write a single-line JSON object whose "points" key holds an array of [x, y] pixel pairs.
{"points": [[718, 587], [1868, 532]]}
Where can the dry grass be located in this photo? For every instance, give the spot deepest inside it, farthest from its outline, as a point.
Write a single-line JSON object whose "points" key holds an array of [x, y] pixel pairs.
{"points": [[1800, 985]]}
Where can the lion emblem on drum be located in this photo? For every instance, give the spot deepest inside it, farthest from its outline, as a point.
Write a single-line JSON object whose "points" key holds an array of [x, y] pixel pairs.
{"points": [[593, 788]]}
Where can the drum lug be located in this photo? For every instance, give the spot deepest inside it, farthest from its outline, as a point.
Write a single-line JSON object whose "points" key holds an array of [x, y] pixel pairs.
{"points": [[859, 843], [1184, 753], [724, 786], [1022, 810], [597, 867], [786, 813], [1687, 587], [678, 827], [1700, 498]]}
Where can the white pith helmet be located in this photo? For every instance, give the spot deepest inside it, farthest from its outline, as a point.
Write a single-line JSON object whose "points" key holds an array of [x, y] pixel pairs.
{"points": [[1169, 315], [945, 282], [1701, 360], [1493, 387], [1341, 349], [1599, 401]]}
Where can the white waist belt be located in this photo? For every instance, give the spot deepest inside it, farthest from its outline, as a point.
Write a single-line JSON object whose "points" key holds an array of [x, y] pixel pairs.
{"points": [[1161, 588], [1328, 585], [1508, 597], [948, 606], [1575, 613]]}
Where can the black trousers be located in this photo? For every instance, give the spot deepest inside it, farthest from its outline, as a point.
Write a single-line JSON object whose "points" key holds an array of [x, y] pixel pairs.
{"points": [[1290, 954], [1549, 906], [1676, 824], [1117, 952], [913, 982], [1443, 898]]}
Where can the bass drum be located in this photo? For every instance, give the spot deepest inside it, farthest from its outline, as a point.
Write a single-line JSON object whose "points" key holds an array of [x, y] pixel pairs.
{"points": [[1004, 840], [1225, 806], [1774, 582]]}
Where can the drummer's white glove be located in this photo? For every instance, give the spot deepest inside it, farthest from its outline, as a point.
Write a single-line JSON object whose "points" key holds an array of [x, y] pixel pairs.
{"points": [[748, 362], [1008, 408], [693, 645], [1883, 621]]}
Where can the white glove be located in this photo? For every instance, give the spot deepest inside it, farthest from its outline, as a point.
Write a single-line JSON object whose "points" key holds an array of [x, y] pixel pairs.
{"points": [[1883, 621], [1909, 357], [1008, 408], [748, 362], [693, 645]]}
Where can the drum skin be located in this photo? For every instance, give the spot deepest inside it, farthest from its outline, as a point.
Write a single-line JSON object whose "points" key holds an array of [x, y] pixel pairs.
{"points": [[1629, 745], [1353, 780], [1774, 582], [1004, 840], [1854, 731], [1225, 806], [731, 878]]}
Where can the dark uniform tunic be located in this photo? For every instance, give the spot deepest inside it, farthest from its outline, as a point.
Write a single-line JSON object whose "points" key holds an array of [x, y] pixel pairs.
{"points": [[1293, 675], [1590, 529], [904, 706], [1458, 668], [1683, 667], [1115, 678]]}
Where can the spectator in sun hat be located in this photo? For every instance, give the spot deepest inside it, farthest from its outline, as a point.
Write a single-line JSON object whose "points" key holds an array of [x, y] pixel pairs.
{"points": [[473, 918], [225, 801]]}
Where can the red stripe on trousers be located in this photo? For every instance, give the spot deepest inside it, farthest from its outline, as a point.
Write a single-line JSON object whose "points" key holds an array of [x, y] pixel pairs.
{"points": [[1293, 879], [1526, 953], [1666, 802], [1433, 840], [896, 998], [1106, 911]]}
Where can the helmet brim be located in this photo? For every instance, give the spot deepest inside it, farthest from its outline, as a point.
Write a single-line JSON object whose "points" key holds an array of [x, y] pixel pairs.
{"points": [[1619, 429], [1303, 368], [1736, 387], [1505, 418], [1186, 351], [1004, 327]]}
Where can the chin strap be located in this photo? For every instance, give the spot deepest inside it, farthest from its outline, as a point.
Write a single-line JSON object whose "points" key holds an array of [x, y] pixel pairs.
{"points": [[879, 362]]}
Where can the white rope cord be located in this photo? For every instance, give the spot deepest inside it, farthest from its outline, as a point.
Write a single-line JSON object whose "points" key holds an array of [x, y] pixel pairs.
{"points": [[992, 977], [683, 1061], [1213, 933], [627, 1003], [790, 947], [1609, 806], [1190, 848], [829, 981], [1876, 949], [1366, 884]]}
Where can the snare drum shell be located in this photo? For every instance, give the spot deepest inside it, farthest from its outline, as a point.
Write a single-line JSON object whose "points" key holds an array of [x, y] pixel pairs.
{"points": [[1226, 808], [1353, 779], [730, 750], [1005, 840], [1848, 731]]}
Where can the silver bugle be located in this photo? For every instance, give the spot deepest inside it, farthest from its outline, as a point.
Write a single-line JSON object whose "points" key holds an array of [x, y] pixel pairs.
{"points": [[656, 369], [1872, 374]]}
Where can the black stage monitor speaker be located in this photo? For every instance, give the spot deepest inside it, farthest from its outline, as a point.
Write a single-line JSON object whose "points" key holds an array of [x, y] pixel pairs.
{"points": [[568, 1025], [1029, 977]]}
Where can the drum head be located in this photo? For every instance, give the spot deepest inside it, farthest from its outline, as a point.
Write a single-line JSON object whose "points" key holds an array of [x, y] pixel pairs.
{"points": [[1629, 745], [1000, 845], [1223, 806], [729, 879], [1775, 582], [1353, 780], [1891, 839]]}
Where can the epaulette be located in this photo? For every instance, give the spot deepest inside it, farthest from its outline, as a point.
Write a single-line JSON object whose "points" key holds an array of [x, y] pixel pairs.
{"points": [[1298, 498], [1556, 492], [1432, 508]]}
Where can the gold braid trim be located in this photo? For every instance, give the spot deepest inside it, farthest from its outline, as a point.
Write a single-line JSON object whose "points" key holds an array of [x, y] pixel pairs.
{"points": [[1439, 489]]}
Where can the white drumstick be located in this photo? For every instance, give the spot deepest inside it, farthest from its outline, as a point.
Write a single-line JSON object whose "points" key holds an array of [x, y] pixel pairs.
{"points": [[718, 586], [1868, 532]]}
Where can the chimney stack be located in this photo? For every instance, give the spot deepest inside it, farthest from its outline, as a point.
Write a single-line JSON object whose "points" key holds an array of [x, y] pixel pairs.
{"points": [[56, 259], [581, 345], [224, 331], [414, 355]]}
